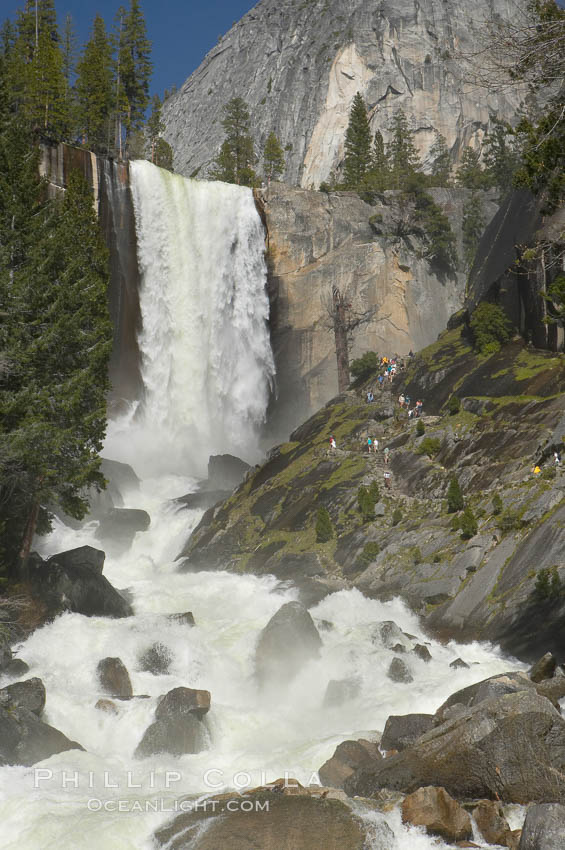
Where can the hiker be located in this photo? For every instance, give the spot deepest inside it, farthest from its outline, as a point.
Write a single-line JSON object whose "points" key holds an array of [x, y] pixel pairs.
{"points": [[369, 444], [556, 458], [381, 381], [418, 409], [401, 400], [370, 397], [333, 446], [410, 413], [536, 470], [406, 401], [375, 445], [387, 480], [386, 454]]}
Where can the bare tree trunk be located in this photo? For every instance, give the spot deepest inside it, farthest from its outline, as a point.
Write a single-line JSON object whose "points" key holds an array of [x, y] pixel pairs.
{"points": [[341, 341], [28, 536]]}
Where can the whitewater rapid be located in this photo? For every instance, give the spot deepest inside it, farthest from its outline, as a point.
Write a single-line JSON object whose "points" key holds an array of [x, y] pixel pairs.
{"points": [[206, 369]]}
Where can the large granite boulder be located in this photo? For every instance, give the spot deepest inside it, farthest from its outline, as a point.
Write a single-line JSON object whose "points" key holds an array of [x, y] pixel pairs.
{"points": [[269, 820], [178, 726], [510, 747], [225, 472], [82, 556], [114, 678], [544, 828], [29, 694], [287, 642], [118, 527], [402, 730], [348, 757], [492, 824], [77, 586], [156, 659], [439, 813], [26, 740]]}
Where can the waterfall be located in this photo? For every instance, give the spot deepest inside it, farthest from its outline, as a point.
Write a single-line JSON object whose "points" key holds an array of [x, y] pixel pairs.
{"points": [[206, 359]]}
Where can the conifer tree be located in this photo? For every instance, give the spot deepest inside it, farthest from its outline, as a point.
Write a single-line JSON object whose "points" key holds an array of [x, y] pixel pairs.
{"points": [[468, 524], [470, 175], [70, 53], [357, 160], [441, 162], [273, 158], [154, 124], [500, 156], [324, 527], [163, 154], [455, 501], [236, 159], [404, 160], [95, 88], [135, 66], [473, 226], [379, 174]]}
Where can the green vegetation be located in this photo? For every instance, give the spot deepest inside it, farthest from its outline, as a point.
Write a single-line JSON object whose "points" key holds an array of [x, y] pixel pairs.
{"points": [[369, 553], [429, 446], [441, 246], [509, 520], [236, 159], [357, 159], [367, 498], [324, 527], [273, 158], [490, 327], [454, 496], [364, 366], [420, 428], [473, 227], [548, 585], [396, 516], [468, 524], [497, 505], [454, 405]]}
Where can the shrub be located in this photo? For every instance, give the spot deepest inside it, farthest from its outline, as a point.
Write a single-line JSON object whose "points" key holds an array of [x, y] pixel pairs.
{"points": [[420, 428], [441, 250], [454, 496], [364, 366], [497, 504], [548, 584], [509, 520], [490, 328], [396, 516], [374, 492], [367, 498], [454, 405], [429, 446], [437, 558], [324, 527], [468, 524], [369, 553]]}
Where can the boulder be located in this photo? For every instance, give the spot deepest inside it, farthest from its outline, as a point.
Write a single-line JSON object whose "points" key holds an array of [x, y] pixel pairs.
{"points": [[553, 690], [510, 747], [287, 642], [389, 634], [185, 619], [178, 728], [544, 668], [120, 475], [118, 527], [114, 678], [29, 694], [15, 667], [434, 809], [82, 556], [544, 828], [492, 824], [156, 659], [340, 691], [77, 588], [5, 654], [348, 757], [26, 740], [203, 499], [107, 705], [503, 683], [225, 472], [399, 671], [401, 730], [271, 820], [422, 652], [459, 664]]}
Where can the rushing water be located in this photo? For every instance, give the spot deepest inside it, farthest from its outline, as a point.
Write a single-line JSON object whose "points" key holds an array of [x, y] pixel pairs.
{"points": [[206, 369]]}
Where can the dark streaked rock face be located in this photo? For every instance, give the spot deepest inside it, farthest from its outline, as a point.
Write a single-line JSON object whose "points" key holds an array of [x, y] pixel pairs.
{"points": [[299, 66]]}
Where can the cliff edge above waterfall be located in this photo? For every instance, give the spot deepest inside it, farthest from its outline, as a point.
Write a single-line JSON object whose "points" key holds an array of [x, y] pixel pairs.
{"points": [[489, 584]]}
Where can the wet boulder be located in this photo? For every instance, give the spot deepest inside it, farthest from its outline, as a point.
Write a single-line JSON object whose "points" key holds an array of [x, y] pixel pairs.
{"points": [[107, 706], [399, 671], [271, 820], [340, 691], [494, 686], [118, 527], [82, 556], [78, 588], [435, 810], [26, 740], [401, 730], [348, 757], [459, 664], [120, 476], [178, 728], [287, 642], [156, 659], [510, 747], [29, 694], [390, 635], [544, 668], [492, 824], [114, 678], [544, 827], [186, 618], [225, 472]]}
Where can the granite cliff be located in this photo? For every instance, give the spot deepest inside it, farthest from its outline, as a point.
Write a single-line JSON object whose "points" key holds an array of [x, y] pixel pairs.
{"points": [[299, 63]]}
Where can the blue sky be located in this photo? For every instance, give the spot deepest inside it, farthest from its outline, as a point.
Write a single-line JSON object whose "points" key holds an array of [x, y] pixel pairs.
{"points": [[182, 31]]}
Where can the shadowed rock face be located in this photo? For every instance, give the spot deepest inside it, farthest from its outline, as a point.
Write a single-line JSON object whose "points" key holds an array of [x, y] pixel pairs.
{"points": [[287, 642], [299, 66]]}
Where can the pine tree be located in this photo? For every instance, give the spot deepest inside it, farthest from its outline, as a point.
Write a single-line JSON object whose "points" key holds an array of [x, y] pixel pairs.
{"points": [[379, 176], [454, 496], [441, 162], [236, 159], [470, 175], [404, 160], [163, 154], [468, 524], [324, 527], [273, 158], [95, 88], [135, 66], [70, 53], [500, 157], [357, 160], [473, 226], [154, 124]]}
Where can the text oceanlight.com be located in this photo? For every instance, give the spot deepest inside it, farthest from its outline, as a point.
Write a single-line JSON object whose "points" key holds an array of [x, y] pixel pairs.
{"points": [[175, 806]]}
